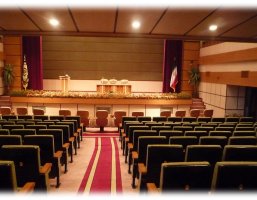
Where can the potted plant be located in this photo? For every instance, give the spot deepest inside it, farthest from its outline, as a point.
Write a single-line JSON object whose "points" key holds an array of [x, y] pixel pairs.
{"points": [[194, 80], [8, 77]]}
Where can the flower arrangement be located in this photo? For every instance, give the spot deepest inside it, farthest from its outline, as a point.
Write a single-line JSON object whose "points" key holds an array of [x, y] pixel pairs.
{"points": [[87, 95]]}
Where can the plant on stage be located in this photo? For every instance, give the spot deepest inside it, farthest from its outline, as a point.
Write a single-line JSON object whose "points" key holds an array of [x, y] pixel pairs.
{"points": [[194, 80], [8, 77]]}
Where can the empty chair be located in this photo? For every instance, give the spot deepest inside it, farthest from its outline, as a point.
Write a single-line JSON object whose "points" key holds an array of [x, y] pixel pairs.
{"points": [[84, 118], [4, 132], [137, 114], [189, 119], [209, 153], [8, 181], [234, 176], [240, 153], [232, 119], [25, 117], [169, 133], [24, 123], [9, 117], [165, 113], [174, 119], [101, 119], [213, 140], [13, 126], [208, 113], [23, 132], [180, 113], [198, 134], [22, 111], [36, 127], [40, 117], [218, 119], [195, 113], [6, 110], [159, 128], [204, 128], [246, 119], [183, 140], [118, 117], [244, 133], [220, 128], [65, 112], [160, 119], [10, 140], [156, 155], [204, 119], [183, 128], [184, 176], [221, 133], [144, 118], [56, 117], [27, 165], [38, 111], [244, 124], [244, 128], [242, 140]]}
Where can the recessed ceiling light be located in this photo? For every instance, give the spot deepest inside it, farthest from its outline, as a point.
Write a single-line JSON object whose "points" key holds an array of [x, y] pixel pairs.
{"points": [[213, 27], [136, 24], [54, 22]]}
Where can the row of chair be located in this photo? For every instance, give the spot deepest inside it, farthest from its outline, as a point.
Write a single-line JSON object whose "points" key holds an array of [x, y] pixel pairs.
{"points": [[53, 143]]}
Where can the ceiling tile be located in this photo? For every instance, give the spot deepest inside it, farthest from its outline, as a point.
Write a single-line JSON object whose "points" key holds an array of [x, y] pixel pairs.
{"points": [[15, 20], [225, 19], [148, 18], [94, 20], [41, 17], [247, 29], [179, 21]]}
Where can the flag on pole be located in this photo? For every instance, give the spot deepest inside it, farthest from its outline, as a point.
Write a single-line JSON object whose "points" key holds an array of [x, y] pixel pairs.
{"points": [[174, 78]]}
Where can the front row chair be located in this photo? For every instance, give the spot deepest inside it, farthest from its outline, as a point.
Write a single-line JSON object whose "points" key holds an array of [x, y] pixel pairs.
{"points": [[37, 111], [180, 113], [165, 113], [101, 119], [8, 181], [6, 110], [22, 111], [84, 118], [65, 112]]}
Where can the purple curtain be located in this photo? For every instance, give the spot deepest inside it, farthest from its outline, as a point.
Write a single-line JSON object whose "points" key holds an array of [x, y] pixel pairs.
{"points": [[32, 49], [172, 57]]}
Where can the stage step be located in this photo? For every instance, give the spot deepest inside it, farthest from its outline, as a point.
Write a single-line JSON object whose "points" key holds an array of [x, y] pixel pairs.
{"points": [[197, 103]]}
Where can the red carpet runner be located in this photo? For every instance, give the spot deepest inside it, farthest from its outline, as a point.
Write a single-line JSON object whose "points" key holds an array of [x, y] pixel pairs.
{"points": [[103, 172]]}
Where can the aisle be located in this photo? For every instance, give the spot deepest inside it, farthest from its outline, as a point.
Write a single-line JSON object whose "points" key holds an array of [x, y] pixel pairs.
{"points": [[103, 173]]}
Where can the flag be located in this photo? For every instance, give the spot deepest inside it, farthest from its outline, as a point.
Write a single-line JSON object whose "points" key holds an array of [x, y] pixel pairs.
{"points": [[174, 78]]}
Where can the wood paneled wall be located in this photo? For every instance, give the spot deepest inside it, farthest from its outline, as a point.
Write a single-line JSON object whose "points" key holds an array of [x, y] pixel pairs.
{"points": [[92, 58], [190, 59], [1, 65], [13, 55]]}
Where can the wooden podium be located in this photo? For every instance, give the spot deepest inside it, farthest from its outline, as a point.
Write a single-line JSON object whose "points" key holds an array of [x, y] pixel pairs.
{"points": [[123, 89], [64, 83]]}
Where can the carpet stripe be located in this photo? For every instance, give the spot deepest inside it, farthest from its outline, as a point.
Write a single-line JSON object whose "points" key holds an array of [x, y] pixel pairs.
{"points": [[113, 179], [118, 169], [92, 172]]}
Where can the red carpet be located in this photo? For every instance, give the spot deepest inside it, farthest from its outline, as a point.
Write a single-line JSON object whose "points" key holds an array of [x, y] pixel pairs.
{"points": [[103, 172]]}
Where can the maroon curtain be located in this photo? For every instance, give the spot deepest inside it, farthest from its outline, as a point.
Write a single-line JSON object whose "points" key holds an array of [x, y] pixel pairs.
{"points": [[172, 57], [32, 49]]}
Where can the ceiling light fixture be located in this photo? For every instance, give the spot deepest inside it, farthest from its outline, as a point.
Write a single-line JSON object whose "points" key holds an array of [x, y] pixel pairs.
{"points": [[54, 22], [136, 24], [213, 27]]}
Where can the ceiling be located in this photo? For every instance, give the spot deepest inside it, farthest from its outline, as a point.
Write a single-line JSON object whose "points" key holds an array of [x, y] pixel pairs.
{"points": [[237, 24]]}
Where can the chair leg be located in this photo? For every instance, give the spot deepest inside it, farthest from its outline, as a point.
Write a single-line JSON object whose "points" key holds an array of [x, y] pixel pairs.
{"points": [[101, 129]]}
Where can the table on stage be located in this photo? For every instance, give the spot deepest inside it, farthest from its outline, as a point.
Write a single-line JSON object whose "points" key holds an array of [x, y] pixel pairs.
{"points": [[115, 88]]}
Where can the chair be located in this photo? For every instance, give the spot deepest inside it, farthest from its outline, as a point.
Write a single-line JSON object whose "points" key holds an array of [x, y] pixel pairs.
{"points": [[47, 153], [183, 140], [189, 119], [183, 128], [233, 119], [137, 114], [170, 133], [195, 113], [198, 134], [208, 113], [246, 119], [180, 113], [13, 126], [25, 117], [204, 128], [165, 113], [184, 176], [65, 112], [27, 165], [160, 119], [36, 127], [244, 128], [204, 119], [240, 153], [10, 140], [22, 111], [4, 131], [156, 155], [144, 119], [8, 181], [209, 153], [37, 111], [140, 155], [118, 118], [221, 133], [218, 119], [174, 119], [242, 140], [84, 118], [56, 117], [213, 140], [159, 128], [9, 117], [23, 132], [244, 133], [234, 176], [219, 128], [6, 110], [101, 119]]}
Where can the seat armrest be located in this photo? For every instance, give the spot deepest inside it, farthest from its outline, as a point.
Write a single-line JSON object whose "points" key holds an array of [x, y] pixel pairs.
{"points": [[141, 168], [123, 134], [58, 154], [134, 155], [66, 145], [126, 139], [28, 187], [71, 139], [46, 168], [130, 146], [151, 188]]}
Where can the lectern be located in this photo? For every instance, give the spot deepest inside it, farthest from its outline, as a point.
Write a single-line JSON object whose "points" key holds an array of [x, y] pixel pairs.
{"points": [[65, 82]]}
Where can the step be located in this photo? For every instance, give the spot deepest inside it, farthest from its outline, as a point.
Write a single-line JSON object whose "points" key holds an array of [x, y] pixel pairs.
{"points": [[197, 99], [198, 107], [197, 103]]}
